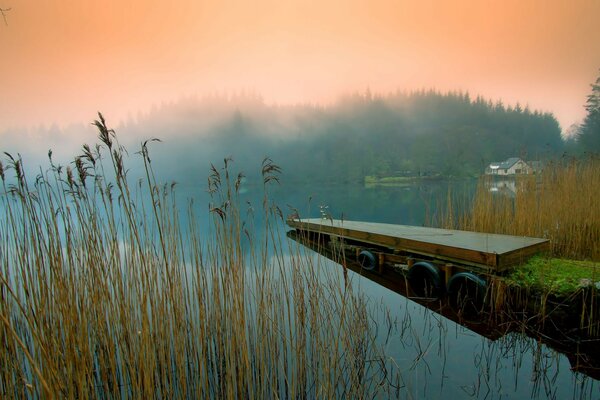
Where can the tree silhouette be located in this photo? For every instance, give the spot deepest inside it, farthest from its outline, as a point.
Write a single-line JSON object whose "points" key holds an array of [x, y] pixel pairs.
{"points": [[3, 11], [589, 133]]}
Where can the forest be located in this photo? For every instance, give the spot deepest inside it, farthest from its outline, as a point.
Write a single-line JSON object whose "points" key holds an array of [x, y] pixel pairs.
{"points": [[415, 135], [418, 134]]}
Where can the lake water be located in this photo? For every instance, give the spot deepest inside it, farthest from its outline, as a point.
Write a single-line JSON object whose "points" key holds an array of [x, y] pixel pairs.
{"points": [[438, 358], [431, 356]]}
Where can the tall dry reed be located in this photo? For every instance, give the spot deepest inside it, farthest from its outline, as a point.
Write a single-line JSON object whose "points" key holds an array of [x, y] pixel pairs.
{"points": [[103, 293], [561, 204]]}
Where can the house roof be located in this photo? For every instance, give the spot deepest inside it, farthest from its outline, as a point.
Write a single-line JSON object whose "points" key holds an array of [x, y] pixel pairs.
{"points": [[504, 164]]}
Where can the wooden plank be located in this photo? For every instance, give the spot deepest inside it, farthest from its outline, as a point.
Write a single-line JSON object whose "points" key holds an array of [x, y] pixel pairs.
{"points": [[482, 249], [519, 256]]}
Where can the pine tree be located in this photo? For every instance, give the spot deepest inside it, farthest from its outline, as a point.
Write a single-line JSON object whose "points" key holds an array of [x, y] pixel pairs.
{"points": [[3, 12], [589, 134]]}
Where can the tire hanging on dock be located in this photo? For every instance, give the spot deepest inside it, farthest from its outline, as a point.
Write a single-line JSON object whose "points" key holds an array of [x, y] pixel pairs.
{"points": [[367, 260], [467, 292], [426, 280]]}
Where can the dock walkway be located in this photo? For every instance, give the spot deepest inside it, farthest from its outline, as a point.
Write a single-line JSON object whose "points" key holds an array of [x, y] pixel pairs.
{"points": [[492, 252]]}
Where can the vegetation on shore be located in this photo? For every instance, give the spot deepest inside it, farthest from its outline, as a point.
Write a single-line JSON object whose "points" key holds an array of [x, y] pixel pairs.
{"points": [[397, 180], [561, 204], [103, 293], [553, 275]]}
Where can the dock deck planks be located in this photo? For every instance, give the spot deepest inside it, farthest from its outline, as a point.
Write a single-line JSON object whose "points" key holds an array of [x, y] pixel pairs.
{"points": [[486, 250]]}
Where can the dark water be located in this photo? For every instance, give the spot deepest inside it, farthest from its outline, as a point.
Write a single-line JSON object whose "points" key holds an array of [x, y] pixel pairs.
{"points": [[436, 357], [432, 356]]}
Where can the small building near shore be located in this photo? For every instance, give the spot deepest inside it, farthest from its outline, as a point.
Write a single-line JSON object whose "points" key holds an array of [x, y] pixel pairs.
{"points": [[512, 166]]}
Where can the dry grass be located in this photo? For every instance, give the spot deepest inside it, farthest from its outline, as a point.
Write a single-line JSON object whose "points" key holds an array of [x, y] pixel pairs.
{"points": [[561, 204], [104, 294]]}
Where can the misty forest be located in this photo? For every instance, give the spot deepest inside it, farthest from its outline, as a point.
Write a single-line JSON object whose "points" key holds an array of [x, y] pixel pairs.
{"points": [[423, 134]]}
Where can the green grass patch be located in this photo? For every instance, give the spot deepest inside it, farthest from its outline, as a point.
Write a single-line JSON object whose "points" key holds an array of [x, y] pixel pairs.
{"points": [[388, 179], [555, 275], [396, 180]]}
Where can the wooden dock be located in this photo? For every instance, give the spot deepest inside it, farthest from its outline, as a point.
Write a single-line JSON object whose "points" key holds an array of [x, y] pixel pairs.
{"points": [[492, 253], [584, 355]]}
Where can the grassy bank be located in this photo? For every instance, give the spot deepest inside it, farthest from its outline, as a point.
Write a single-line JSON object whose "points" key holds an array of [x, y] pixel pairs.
{"points": [[553, 275], [103, 293], [397, 180]]}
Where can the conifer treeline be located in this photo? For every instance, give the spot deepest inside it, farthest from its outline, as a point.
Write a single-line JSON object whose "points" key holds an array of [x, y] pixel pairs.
{"points": [[418, 133], [401, 134]]}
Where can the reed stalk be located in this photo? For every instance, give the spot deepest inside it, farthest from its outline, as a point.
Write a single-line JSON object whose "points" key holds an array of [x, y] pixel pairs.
{"points": [[103, 293]]}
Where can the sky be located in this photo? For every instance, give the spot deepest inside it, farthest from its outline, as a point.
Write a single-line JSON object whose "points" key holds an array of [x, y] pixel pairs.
{"points": [[61, 61]]}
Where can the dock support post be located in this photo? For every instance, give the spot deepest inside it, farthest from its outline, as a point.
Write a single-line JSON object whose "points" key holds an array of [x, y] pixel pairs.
{"points": [[448, 269]]}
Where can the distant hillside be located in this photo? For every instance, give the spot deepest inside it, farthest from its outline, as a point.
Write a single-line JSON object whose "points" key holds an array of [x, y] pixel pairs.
{"points": [[423, 133], [419, 133]]}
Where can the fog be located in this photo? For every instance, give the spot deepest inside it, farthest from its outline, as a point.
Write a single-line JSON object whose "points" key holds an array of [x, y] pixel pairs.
{"points": [[362, 134]]}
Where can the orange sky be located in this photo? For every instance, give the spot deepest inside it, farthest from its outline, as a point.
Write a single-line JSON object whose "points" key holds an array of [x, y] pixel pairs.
{"points": [[63, 60]]}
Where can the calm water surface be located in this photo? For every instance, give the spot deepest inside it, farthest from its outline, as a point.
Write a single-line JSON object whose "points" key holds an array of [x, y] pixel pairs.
{"points": [[433, 357], [436, 357]]}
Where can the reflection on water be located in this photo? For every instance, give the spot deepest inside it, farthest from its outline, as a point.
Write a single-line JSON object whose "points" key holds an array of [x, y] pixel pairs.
{"points": [[434, 350], [429, 352], [507, 187], [437, 353]]}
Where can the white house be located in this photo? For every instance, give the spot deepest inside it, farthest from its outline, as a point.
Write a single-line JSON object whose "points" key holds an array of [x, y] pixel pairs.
{"points": [[512, 166]]}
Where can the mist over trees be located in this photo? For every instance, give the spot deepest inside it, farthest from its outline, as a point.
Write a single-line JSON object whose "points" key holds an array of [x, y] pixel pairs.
{"points": [[424, 133]]}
